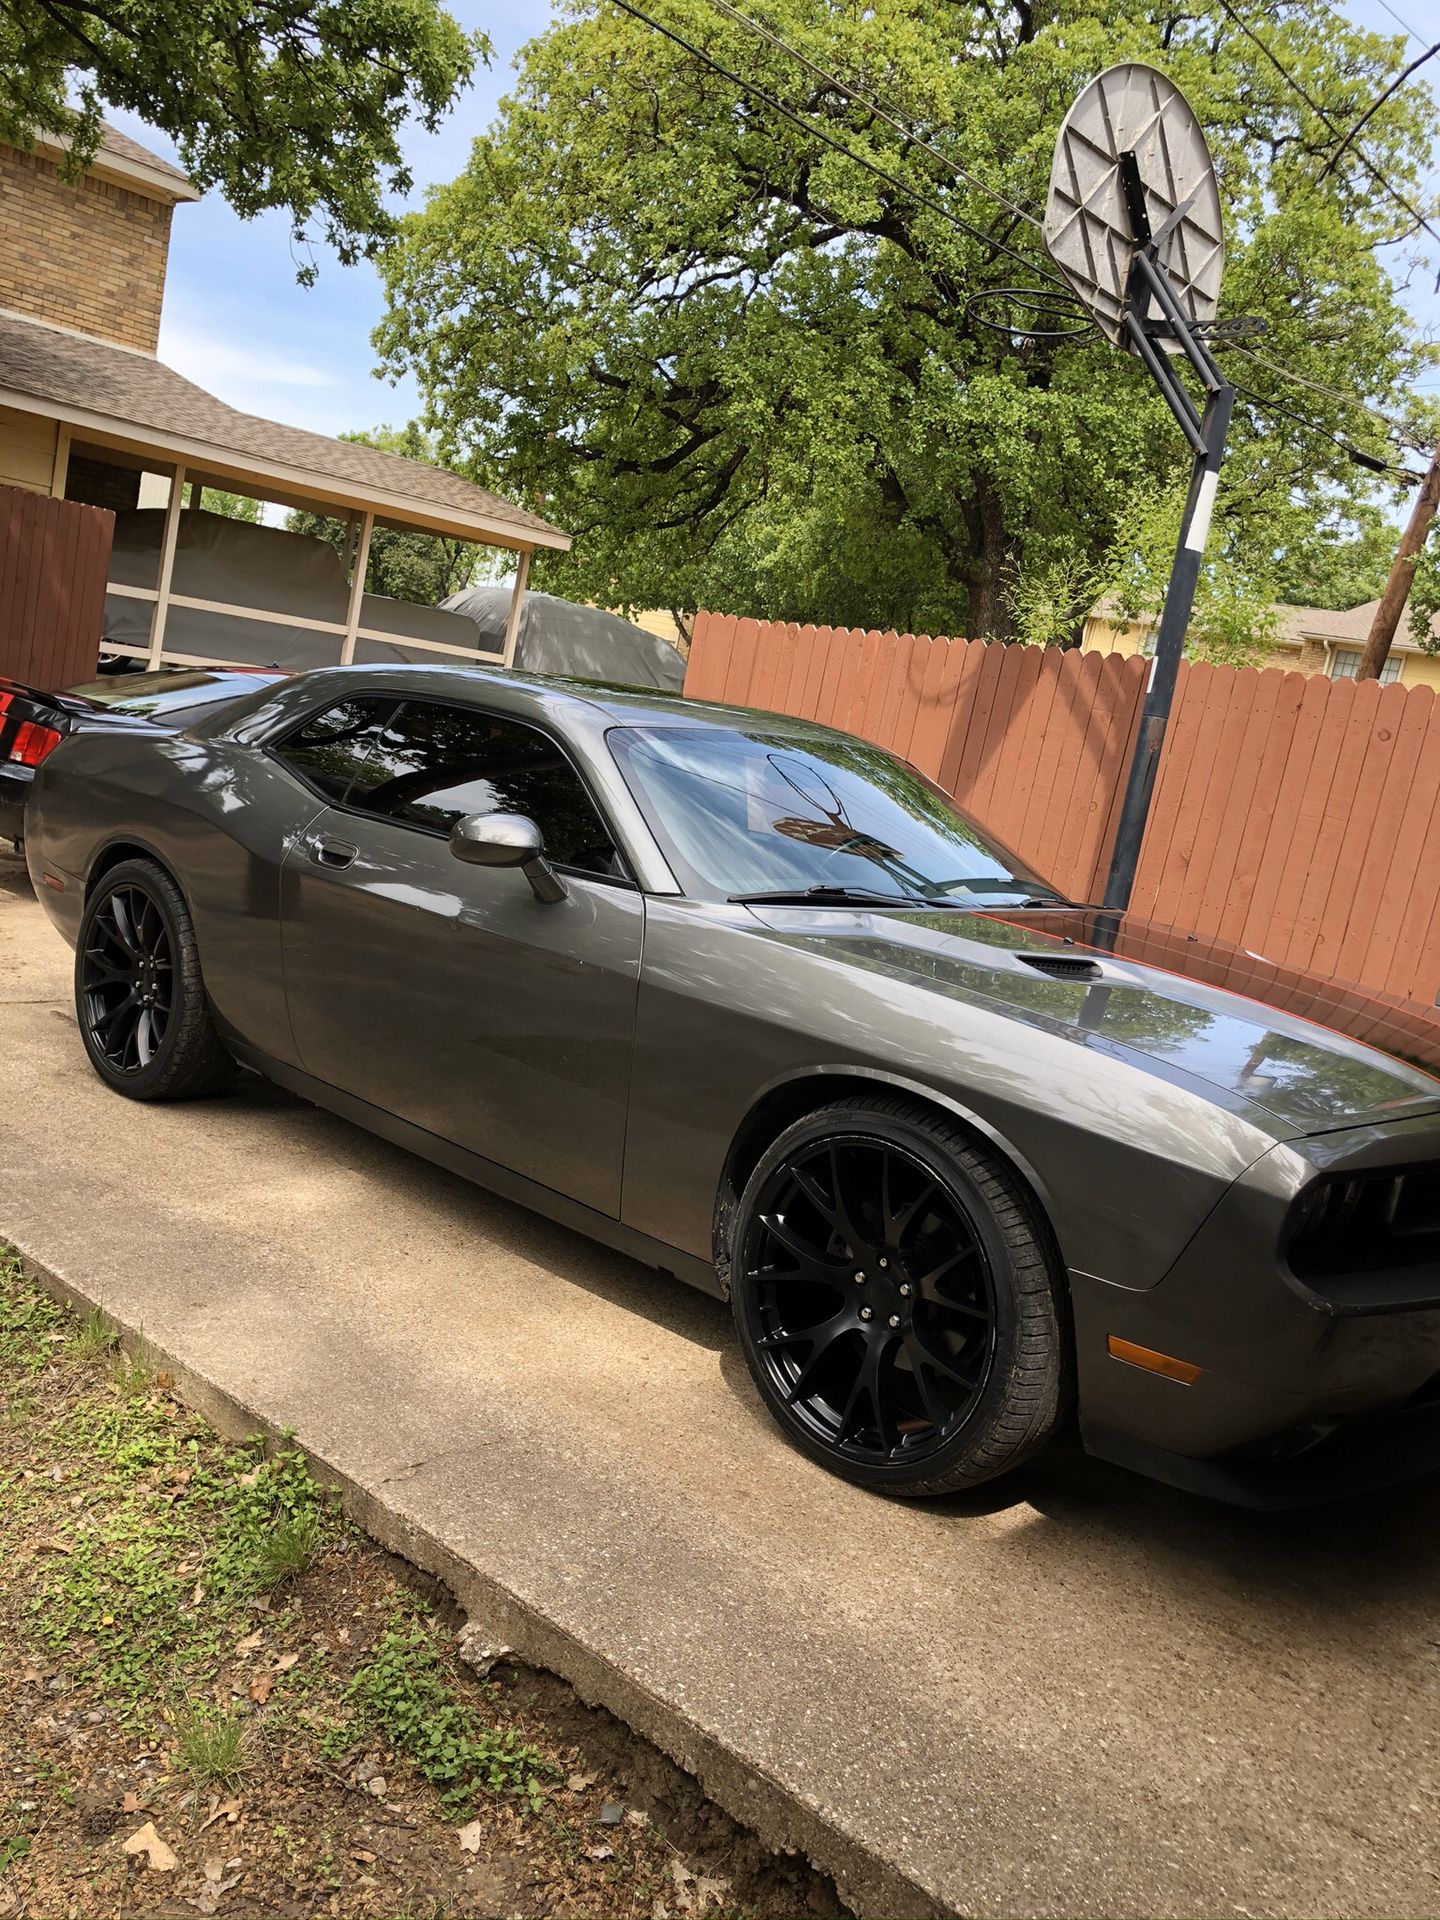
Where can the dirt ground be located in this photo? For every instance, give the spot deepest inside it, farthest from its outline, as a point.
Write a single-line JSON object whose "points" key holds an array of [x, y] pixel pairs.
{"points": [[218, 1697]]}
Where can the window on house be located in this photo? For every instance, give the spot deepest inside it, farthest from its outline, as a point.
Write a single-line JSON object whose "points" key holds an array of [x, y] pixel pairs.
{"points": [[1345, 664]]}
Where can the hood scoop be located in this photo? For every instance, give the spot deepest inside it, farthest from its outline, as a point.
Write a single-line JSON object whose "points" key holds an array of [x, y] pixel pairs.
{"points": [[1063, 966]]}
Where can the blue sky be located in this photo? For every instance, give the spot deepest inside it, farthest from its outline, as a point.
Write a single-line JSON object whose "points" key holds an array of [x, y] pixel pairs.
{"points": [[236, 322]]}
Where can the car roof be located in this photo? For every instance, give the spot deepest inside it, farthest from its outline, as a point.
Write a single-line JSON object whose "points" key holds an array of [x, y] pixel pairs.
{"points": [[613, 704]]}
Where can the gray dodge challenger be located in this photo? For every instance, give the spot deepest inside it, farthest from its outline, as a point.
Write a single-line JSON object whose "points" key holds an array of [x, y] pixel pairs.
{"points": [[752, 1001]]}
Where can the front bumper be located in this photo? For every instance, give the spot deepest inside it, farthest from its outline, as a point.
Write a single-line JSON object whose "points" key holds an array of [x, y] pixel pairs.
{"points": [[1297, 1398]]}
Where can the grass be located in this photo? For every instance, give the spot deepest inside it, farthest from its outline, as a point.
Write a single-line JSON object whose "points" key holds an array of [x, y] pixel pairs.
{"points": [[196, 1637], [212, 1745], [92, 1339], [290, 1550]]}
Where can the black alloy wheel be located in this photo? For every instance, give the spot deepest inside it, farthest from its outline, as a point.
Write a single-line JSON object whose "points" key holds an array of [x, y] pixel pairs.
{"points": [[139, 996], [895, 1300], [127, 979]]}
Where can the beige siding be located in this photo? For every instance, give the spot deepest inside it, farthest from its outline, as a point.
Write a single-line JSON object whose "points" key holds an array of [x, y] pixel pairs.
{"points": [[27, 450], [1108, 636]]}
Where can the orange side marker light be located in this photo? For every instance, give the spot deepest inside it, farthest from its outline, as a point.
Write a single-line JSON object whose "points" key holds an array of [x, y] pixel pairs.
{"points": [[1162, 1363]]}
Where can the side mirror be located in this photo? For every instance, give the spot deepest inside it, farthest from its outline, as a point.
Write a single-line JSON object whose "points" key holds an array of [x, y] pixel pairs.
{"points": [[507, 840]]}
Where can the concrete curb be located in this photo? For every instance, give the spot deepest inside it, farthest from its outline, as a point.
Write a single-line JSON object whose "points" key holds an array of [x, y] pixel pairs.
{"points": [[784, 1822]]}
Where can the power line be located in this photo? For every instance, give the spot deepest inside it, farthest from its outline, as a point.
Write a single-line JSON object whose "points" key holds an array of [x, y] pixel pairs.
{"points": [[872, 106], [1397, 431], [1320, 113], [827, 139], [1402, 23], [1376, 104], [1371, 462]]}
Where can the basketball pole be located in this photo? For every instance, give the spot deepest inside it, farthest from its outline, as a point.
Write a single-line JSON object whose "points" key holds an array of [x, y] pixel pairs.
{"points": [[1149, 288]]}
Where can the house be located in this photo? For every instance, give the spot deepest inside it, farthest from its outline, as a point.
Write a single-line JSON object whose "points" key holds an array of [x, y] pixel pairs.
{"points": [[1308, 640], [89, 413]]}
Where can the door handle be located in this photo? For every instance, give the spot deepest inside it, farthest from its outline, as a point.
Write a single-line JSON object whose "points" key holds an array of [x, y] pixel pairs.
{"points": [[326, 852]]}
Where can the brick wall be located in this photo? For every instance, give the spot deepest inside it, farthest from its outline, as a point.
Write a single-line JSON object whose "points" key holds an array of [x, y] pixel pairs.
{"points": [[88, 254], [99, 484]]}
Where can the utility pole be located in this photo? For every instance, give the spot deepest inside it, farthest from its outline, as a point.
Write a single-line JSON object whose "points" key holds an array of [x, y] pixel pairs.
{"points": [[1402, 575]]}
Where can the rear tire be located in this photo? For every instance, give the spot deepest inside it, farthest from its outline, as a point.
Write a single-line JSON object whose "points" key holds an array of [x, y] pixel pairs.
{"points": [[140, 997], [897, 1300]]}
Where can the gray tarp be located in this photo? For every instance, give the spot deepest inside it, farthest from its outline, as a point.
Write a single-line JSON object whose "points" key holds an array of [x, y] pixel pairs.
{"points": [[559, 636], [217, 558], [245, 564]]}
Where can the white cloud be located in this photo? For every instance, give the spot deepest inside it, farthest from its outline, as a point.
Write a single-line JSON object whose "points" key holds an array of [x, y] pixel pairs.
{"points": [[227, 368]]}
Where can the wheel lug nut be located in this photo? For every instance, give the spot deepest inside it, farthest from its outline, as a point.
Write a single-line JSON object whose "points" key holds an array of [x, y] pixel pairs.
{"points": [[859, 1279], [883, 1261], [867, 1313], [894, 1320], [906, 1290]]}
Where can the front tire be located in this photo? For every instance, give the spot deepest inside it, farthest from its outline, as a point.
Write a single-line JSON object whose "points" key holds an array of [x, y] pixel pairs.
{"points": [[139, 996], [897, 1301]]}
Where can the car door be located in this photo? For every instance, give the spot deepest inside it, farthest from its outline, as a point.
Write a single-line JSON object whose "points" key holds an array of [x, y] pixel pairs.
{"points": [[449, 994]]}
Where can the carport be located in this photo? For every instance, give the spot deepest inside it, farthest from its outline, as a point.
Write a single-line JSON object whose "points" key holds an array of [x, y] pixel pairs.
{"points": [[131, 427]]}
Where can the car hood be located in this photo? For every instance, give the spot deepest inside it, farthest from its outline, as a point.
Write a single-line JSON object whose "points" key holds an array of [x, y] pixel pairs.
{"points": [[1314, 1053]]}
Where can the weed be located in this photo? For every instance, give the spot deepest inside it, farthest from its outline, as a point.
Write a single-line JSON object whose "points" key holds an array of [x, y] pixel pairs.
{"points": [[289, 1549], [131, 1374], [403, 1693], [92, 1339], [211, 1745]]}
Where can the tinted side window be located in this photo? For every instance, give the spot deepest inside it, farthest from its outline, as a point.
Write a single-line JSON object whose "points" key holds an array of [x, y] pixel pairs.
{"points": [[434, 764], [330, 749]]}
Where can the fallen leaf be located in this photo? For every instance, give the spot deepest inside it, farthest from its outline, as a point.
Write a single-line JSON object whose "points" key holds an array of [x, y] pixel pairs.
{"points": [[635, 1818], [132, 1803], [260, 1688], [158, 1856], [227, 1810], [286, 1662], [578, 1782], [468, 1836], [601, 1853], [250, 1642], [164, 1380], [248, 1479], [215, 1867], [366, 1858], [52, 1546]]}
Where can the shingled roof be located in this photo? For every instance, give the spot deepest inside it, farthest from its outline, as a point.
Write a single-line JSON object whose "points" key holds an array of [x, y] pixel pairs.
{"points": [[123, 395]]}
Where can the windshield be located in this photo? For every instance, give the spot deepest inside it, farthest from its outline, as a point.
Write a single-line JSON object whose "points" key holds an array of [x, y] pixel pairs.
{"points": [[751, 812]]}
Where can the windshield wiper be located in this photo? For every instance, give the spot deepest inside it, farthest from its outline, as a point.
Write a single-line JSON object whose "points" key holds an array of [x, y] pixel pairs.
{"points": [[838, 897]]}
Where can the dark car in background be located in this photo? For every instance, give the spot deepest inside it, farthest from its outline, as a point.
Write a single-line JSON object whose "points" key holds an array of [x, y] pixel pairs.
{"points": [[34, 722]]}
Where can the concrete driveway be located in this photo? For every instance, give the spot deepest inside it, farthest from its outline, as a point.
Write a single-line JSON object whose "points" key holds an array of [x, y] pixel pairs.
{"points": [[1087, 1695]]}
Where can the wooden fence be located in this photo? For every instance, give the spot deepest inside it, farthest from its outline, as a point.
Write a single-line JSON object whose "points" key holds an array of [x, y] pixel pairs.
{"points": [[1298, 817], [54, 558]]}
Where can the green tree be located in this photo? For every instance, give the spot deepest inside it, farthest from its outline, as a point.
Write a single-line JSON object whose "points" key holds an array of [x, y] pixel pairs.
{"points": [[234, 506], [279, 103], [747, 373], [408, 565]]}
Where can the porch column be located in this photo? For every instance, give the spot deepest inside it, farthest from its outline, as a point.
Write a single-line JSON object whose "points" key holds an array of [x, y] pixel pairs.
{"points": [[167, 566], [517, 602], [357, 589]]}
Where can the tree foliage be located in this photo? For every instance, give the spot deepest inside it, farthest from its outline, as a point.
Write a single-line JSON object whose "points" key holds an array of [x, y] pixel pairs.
{"points": [[234, 506], [746, 373], [279, 103], [406, 564]]}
